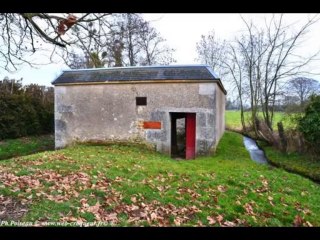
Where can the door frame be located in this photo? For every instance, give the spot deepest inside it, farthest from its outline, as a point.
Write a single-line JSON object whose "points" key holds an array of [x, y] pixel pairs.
{"points": [[190, 132]]}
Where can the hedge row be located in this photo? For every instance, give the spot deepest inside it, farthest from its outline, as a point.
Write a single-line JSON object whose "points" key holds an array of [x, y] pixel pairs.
{"points": [[23, 114]]}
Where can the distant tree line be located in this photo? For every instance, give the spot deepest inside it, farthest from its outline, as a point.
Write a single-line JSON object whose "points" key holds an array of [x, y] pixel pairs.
{"points": [[25, 110], [293, 97]]}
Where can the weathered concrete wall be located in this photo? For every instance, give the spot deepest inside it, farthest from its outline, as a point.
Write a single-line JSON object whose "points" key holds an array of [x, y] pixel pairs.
{"points": [[220, 113], [109, 112]]}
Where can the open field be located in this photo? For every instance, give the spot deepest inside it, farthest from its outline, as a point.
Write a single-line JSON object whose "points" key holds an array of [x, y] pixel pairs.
{"points": [[233, 120]]}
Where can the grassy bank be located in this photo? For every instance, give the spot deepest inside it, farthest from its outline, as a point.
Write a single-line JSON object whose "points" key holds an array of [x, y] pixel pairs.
{"points": [[294, 162], [127, 185]]}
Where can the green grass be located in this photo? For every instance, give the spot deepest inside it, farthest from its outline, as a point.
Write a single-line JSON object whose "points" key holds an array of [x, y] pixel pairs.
{"points": [[294, 162], [233, 120], [24, 146], [131, 185]]}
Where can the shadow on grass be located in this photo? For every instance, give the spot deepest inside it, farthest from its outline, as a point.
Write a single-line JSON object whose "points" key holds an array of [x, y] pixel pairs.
{"points": [[10, 148]]}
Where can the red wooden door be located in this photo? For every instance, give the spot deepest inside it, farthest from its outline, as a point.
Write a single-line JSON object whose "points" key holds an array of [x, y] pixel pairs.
{"points": [[190, 135]]}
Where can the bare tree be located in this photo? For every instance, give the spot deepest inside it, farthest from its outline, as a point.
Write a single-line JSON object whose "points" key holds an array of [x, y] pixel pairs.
{"points": [[128, 41], [153, 47], [212, 51], [140, 43], [270, 56], [260, 60], [250, 52], [234, 66], [75, 61], [302, 88], [23, 34], [131, 30]]}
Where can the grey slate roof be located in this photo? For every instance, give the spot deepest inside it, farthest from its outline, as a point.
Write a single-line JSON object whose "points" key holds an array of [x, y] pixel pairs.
{"points": [[186, 72]]}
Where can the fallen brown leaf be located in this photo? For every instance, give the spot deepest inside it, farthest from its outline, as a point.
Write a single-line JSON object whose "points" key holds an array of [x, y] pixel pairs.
{"points": [[219, 218], [229, 224], [211, 220], [298, 221]]}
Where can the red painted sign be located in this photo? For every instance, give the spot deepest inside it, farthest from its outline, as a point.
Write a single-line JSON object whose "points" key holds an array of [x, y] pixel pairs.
{"points": [[190, 135], [152, 125]]}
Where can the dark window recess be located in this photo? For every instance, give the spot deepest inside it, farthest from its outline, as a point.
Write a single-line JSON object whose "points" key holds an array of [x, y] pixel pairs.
{"points": [[141, 101]]}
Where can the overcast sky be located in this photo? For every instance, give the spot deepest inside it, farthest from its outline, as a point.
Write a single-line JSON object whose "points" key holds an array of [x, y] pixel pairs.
{"points": [[182, 31]]}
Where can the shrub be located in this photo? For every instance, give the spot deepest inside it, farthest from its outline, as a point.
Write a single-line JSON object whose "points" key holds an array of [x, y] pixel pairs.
{"points": [[309, 124]]}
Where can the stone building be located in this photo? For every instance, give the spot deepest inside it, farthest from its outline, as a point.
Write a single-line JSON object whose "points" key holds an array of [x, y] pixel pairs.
{"points": [[178, 109]]}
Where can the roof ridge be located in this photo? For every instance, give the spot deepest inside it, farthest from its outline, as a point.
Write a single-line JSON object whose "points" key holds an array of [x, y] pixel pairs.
{"points": [[137, 67]]}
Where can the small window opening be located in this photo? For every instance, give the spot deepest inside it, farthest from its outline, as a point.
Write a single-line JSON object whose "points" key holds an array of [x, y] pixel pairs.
{"points": [[141, 101]]}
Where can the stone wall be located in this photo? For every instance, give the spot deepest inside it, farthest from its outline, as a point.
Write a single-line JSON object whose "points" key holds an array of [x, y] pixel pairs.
{"points": [[220, 114], [109, 112]]}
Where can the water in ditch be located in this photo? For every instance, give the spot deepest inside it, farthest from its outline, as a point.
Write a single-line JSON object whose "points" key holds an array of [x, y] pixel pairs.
{"points": [[256, 153]]}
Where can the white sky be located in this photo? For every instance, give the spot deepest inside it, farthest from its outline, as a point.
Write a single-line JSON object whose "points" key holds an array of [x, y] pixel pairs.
{"points": [[182, 31]]}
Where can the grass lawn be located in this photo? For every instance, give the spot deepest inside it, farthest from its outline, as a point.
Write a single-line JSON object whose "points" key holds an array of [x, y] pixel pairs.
{"points": [[130, 185], [26, 145]]}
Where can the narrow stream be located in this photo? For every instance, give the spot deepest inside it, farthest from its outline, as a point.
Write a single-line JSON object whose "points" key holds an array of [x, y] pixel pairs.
{"points": [[256, 153]]}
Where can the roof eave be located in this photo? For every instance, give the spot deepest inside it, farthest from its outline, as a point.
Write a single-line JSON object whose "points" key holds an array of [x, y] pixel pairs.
{"points": [[221, 86], [140, 81], [53, 82]]}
